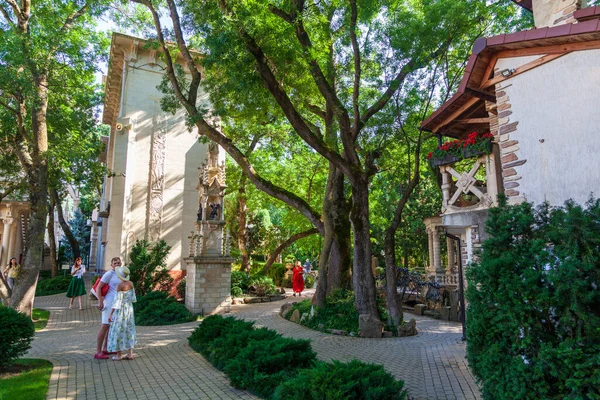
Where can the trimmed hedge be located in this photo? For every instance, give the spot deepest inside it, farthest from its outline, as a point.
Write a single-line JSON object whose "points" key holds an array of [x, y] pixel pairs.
{"points": [[261, 360], [156, 308], [47, 287], [349, 381], [16, 334], [533, 322]]}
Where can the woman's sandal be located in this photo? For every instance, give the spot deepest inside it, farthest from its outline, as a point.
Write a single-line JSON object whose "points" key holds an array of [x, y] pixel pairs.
{"points": [[115, 358], [129, 358]]}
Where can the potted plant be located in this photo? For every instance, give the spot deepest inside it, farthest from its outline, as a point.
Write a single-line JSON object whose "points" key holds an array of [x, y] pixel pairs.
{"points": [[450, 152]]}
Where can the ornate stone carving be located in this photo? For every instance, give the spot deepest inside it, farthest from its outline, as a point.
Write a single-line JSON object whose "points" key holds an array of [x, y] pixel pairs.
{"points": [[157, 179]]}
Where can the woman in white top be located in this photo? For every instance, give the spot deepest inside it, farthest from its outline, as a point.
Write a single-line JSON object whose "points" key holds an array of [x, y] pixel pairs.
{"points": [[77, 286]]}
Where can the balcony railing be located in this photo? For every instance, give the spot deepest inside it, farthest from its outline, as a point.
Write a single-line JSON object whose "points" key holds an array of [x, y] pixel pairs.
{"points": [[474, 187]]}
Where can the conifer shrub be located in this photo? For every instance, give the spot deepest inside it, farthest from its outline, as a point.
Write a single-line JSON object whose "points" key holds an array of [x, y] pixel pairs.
{"points": [[157, 308], [277, 273], [349, 381], [148, 267], [49, 286], [16, 333], [533, 322]]}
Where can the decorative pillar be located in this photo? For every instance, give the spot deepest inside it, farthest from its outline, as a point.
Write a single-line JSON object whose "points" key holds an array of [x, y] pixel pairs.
{"points": [[12, 239], [437, 261], [8, 220], [430, 243], [451, 262], [208, 269]]}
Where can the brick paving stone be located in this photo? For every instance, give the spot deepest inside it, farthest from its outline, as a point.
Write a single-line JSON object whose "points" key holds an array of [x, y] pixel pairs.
{"points": [[432, 364]]}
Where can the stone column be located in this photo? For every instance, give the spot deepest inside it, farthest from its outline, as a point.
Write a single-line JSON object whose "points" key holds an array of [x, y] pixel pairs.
{"points": [[5, 240], [430, 243], [12, 242], [208, 285], [451, 256], [437, 262]]}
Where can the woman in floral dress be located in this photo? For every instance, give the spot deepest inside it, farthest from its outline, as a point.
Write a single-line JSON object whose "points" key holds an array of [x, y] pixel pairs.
{"points": [[121, 335]]}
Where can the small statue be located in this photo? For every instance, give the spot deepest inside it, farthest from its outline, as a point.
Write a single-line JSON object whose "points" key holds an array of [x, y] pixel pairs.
{"points": [[214, 210], [200, 213]]}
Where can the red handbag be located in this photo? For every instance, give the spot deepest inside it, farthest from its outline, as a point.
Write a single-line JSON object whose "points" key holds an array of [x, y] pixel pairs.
{"points": [[104, 288]]}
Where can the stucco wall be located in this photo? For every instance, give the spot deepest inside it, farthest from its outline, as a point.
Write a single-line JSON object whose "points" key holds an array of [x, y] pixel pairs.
{"points": [[558, 131], [132, 155]]}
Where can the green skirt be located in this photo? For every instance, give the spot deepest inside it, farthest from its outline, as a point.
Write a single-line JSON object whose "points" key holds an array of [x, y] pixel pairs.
{"points": [[76, 288]]}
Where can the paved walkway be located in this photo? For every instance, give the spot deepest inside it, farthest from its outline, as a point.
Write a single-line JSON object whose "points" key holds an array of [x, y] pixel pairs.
{"points": [[432, 363]]}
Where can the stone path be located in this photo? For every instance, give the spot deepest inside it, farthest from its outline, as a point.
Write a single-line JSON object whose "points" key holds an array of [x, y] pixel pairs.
{"points": [[432, 363]]}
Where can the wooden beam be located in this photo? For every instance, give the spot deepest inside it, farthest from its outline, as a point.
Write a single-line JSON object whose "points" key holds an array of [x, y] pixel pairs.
{"points": [[473, 121], [480, 94], [523, 68], [455, 114], [550, 49], [490, 68]]}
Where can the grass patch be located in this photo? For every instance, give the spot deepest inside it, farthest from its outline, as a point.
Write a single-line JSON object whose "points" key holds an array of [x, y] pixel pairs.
{"points": [[25, 379], [40, 318]]}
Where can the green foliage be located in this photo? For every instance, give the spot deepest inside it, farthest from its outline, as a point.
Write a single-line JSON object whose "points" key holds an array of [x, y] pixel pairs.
{"points": [[59, 284], [338, 312], [277, 273], [79, 228], [148, 267], [236, 291], [181, 288], [156, 308], [309, 282], [348, 381], [254, 359], [16, 333], [533, 322], [40, 318], [262, 285], [31, 383], [239, 282]]}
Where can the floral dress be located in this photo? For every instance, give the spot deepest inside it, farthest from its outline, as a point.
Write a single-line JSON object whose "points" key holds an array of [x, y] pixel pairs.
{"points": [[121, 335]]}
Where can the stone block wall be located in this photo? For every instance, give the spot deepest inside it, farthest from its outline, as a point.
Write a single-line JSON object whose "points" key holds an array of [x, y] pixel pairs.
{"points": [[208, 285]]}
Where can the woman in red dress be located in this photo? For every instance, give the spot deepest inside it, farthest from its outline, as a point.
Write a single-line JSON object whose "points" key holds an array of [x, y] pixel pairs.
{"points": [[297, 279]]}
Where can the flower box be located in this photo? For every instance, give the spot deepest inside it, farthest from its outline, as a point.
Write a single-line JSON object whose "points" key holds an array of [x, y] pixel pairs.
{"points": [[446, 159], [484, 148]]}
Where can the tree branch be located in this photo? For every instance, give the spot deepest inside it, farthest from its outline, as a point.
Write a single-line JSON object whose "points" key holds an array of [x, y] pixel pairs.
{"points": [[6, 15], [357, 70], [285, 244], [189, 61], [205, 129]]}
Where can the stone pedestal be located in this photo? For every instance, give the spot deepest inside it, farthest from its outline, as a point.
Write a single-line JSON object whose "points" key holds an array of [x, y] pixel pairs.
{"points": [[208, 284]]}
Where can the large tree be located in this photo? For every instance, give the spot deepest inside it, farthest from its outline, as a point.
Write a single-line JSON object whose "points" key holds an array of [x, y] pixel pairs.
{"points": [[49, 50]]}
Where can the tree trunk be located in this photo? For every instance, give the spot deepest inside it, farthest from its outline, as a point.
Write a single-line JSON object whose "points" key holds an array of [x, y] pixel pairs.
{"points": [[340, 260], [241, 233], [363, 281], [286, 244], [65, 226], [52, 239]]}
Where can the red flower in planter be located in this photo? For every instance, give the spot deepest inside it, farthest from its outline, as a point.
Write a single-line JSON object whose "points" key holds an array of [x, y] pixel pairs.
{"points": [[478, 143]]}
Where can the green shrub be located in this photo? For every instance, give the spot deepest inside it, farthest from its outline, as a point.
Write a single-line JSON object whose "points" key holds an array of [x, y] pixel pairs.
{"points": [[348, 381], [262, 285], [309, 282], [533, 322], [16, 333], [236, 291], [156, 308], [46, 287], [277, 273], [181, 288], [338, 312], [264, 364], [226, 347], [148, 267], [240, 279], [213, 327], [45, 274]]}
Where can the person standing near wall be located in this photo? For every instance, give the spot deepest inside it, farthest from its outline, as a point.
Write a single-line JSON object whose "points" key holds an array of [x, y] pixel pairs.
{"points": [[76, 286], [11, 272], [105, 304]]}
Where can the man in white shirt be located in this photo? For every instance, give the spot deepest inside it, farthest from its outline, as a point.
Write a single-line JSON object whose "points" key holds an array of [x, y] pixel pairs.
{"points": [[111, 279]]}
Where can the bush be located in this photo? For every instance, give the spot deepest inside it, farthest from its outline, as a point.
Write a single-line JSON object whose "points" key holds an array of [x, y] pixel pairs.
{"points": [[211, 328], [533, 322], [277, 273], [353, 380], [262, 285], [148, 267], [156, 308], [240, 279], [309, 282], [181, 288], [236, 291], [46, 287], [16, 333]]}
